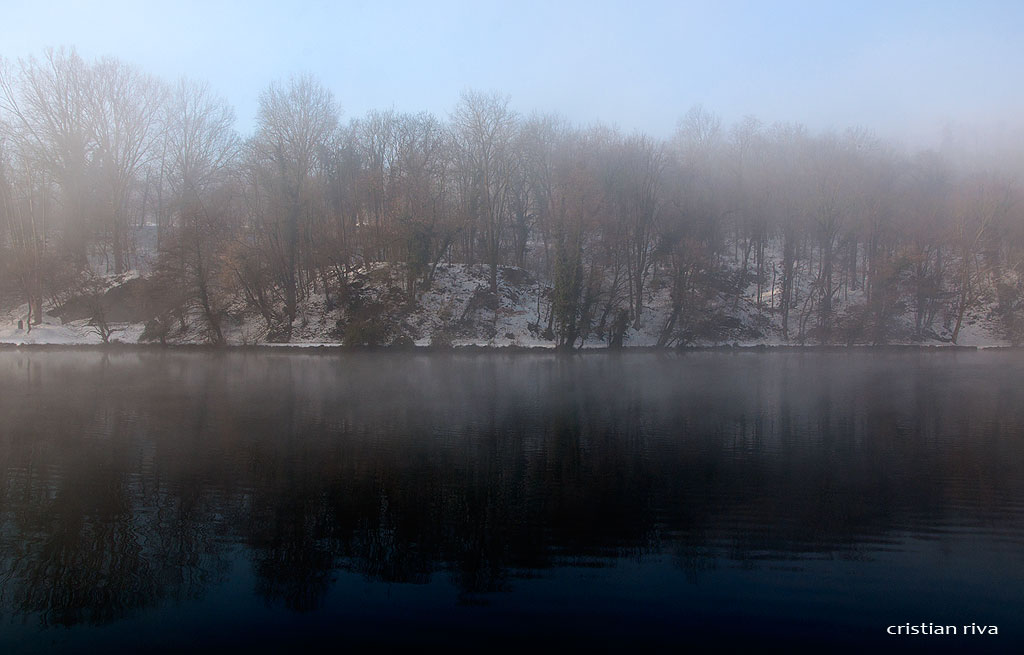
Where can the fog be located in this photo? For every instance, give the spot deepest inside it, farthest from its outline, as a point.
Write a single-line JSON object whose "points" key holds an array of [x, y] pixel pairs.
{"points": [[919, 73], [668, 175]]}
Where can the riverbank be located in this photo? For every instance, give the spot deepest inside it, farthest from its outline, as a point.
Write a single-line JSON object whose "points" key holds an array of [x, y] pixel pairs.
{"points": [[457, 310], [475, 348]]}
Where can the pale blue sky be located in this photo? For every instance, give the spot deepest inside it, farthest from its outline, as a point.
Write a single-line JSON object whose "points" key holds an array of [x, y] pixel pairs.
{"points": [[899, 68]]}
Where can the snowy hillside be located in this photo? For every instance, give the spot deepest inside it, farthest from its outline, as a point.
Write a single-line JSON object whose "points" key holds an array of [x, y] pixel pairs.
{"points": [[456, 310]]}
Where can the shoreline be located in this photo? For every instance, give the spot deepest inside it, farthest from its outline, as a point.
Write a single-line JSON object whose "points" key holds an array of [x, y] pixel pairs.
{"points": [[326, 348]]}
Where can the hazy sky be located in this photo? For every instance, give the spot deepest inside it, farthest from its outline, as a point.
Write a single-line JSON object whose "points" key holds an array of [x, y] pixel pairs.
{"points": [[902, 69]]}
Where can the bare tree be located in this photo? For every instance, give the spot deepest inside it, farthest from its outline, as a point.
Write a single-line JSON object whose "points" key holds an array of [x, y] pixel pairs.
{"points": [[48, 103], [638, 177], [201, 145], [485, 127], [295, 123], [125, 118], [980, 202], [21, 219]]}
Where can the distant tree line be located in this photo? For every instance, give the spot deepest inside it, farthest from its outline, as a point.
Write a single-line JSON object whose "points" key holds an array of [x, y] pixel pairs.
{"points": [[840, 236]]}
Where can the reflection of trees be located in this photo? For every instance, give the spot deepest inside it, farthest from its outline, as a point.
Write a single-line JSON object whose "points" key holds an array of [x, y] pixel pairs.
{"points": [[292, 552], [92, 545], [83, 561], [90, 529], [402, 469]]}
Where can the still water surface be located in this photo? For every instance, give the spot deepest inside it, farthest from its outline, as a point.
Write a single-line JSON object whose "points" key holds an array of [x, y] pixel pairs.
{"points": [[161, 501]]}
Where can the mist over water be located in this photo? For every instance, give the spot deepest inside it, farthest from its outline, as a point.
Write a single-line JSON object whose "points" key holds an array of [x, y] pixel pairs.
{"points": [[265, 500]]}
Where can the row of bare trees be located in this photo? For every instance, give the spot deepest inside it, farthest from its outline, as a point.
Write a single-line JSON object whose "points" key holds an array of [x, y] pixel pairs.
{"points": [[830, 238]]}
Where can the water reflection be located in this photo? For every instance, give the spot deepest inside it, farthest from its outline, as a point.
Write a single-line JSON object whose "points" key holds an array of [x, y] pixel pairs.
{"points": [[140, 480]]}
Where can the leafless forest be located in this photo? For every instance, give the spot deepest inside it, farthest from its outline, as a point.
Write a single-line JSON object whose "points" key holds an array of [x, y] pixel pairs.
{"points": [[828, 238]]}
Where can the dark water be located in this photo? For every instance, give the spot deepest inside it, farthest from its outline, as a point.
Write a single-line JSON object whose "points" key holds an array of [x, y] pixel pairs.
{"points": [[258, 501]]}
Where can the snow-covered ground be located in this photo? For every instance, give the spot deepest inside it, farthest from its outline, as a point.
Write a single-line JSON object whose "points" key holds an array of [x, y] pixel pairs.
{"points": [[47, 333], [52, 332], [458, 310]]}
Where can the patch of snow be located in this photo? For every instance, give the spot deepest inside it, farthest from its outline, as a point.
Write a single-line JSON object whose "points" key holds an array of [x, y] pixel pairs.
{"points": [[77, 333]]}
